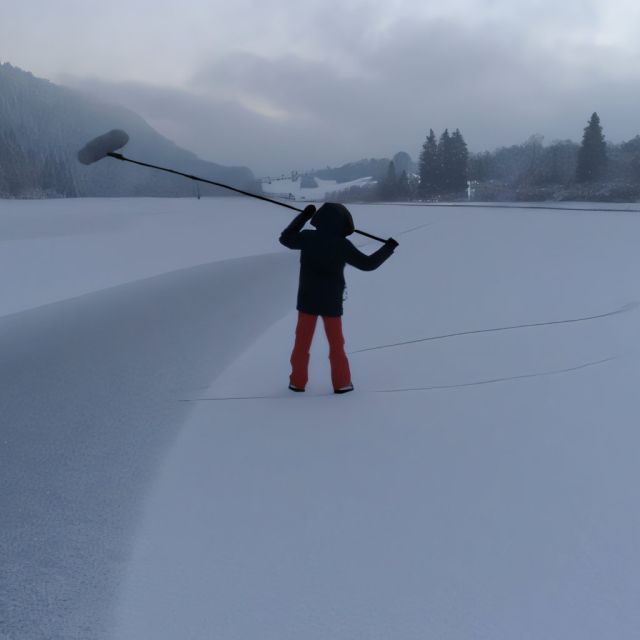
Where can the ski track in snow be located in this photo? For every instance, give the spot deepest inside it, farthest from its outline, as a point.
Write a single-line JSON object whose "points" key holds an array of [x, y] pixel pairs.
{"points": [[479, 383], [549, 323], [85, 421]]}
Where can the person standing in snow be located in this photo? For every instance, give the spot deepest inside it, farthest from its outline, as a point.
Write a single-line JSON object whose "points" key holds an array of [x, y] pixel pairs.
{"points": [[323, 256]]}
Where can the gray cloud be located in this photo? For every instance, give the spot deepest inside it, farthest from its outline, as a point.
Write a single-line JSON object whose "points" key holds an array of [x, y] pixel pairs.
{"points": [[219, 130], [378, 92]]}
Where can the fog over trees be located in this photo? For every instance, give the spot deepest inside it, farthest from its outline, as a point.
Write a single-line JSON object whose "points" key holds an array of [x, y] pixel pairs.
{"points": [[594, 169], [43, 125]]}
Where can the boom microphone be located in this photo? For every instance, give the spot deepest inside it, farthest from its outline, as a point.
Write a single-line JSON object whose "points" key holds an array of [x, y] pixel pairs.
{"points": [[105, 146], [102, 146]]}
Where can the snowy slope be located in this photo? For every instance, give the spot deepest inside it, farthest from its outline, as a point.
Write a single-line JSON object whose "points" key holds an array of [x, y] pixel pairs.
{"points": [[64, 248], [481, 482]]}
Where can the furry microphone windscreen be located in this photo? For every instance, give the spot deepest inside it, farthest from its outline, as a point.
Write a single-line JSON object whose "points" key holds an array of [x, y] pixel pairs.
{"points": [[99, 147]]}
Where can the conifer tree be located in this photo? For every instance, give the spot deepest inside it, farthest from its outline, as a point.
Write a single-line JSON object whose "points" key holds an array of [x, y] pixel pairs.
{"points": [[403, 190], [592, 155], [445, 169], [459, 162], [428, 167], [389, 186]]}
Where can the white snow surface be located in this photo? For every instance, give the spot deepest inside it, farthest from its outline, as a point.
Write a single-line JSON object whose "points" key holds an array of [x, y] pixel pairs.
{"points": [[65, 248], [481, 482]]}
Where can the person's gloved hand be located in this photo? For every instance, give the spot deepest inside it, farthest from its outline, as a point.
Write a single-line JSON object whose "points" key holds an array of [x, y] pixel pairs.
{"points": [[391, 243], [308, 211]]}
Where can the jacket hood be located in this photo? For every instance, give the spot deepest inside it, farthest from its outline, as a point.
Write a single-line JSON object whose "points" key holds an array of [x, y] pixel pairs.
{"points": [[333, 218]]}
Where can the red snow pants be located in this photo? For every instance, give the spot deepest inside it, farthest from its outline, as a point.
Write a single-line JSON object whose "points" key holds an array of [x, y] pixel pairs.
{"points": [[340, 374]]}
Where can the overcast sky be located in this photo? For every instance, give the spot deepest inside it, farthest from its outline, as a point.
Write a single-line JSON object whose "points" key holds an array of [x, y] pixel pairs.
{"points": [[278, 85]]}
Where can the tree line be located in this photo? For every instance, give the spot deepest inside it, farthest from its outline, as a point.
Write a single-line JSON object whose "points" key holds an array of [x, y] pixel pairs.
{"points": [[563, 170], [442, 170], [25, 173], [594, 169]]}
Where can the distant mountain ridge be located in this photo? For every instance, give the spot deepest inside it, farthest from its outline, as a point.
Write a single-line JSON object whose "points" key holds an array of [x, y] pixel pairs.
{"points": [[42, 126]]}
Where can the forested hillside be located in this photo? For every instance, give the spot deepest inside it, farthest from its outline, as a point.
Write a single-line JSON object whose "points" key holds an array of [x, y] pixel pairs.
{"points": [[43, 125]]}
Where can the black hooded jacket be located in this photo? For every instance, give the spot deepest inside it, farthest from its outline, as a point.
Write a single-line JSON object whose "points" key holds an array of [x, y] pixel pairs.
{"points": [[324, 253]]}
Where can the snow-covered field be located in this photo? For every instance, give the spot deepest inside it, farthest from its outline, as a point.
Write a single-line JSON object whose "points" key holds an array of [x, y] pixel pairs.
{"points": [[158, 481]]}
